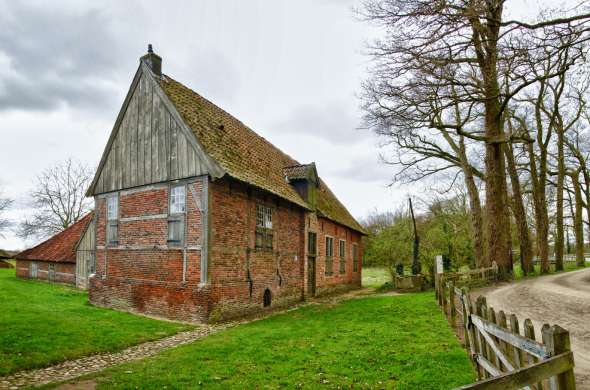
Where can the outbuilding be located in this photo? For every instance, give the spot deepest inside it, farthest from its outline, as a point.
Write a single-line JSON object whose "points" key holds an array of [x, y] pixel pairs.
{"points": [[67, 257]]}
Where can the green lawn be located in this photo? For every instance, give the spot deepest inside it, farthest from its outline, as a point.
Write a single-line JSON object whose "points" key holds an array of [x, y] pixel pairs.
{"points": [[375, 277], [391, 342], [42, 324], [567, 266]]}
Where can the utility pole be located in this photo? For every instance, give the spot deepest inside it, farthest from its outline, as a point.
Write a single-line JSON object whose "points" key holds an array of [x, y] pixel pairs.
{"points": [[416, 267]]}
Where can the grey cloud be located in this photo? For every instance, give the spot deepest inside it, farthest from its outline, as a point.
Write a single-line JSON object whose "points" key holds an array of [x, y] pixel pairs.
{"points": [[334, 122], [210, 73], [55, 56], [367, 168]]}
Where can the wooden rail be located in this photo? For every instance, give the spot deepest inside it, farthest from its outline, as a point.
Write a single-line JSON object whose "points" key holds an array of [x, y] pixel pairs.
{"points": [[505, 355]]}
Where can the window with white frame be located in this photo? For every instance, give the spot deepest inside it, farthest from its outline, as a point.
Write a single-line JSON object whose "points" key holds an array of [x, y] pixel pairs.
{"points": [[264, 232], [113, 220], [177, 207], [329, 256], [342, 253], [177, 199]]}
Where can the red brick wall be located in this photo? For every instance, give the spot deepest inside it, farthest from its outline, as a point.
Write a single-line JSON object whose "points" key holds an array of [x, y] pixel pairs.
{"points": [[142, 273], [233, 253], [336, 281], [64, 272]]}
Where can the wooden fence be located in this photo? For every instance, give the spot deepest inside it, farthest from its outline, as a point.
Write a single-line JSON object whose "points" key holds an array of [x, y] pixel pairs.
{"points": [[505, 356], [470, 278]]}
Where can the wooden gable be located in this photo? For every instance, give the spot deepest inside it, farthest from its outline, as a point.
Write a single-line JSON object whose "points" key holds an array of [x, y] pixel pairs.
{"points": [[149, 142]]}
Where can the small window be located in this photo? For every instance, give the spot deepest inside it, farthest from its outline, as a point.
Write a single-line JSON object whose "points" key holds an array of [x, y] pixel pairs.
{"points": [[312, 243], [329, 256], [177, 200], [113, 220], [175, 231], [264, 233], [342, 254], [177, 206], [355, 258]]}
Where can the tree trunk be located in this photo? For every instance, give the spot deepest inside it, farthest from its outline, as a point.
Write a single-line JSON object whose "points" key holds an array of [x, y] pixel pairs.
{"points": [[559, 201], [578, 221], [524, 238], [497, 221], [540, 207], [474, 205]]}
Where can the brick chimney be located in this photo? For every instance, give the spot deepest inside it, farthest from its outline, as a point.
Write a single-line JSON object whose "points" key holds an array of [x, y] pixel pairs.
{"points": [[153, 61]]}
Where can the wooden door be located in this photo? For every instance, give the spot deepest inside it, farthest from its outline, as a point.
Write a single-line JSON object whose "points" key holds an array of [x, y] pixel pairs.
{"points": [[34, 268], [311, 275], [311, 262], [51, 272]]}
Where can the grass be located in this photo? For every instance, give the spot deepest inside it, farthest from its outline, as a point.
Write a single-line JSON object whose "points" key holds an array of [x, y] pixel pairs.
{"points": [[375, 277], [387, 342], [43, 324], [517, 269]]}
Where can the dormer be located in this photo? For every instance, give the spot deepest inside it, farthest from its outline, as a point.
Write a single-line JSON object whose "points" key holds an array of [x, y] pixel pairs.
{"points": [[304, 179]]}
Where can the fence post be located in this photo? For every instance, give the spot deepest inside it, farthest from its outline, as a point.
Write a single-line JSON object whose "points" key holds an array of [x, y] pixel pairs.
{"points": [[481, 310], [518, 355], [452, 301], [557, 341], [444, 289], [529, 332], [469, 329]]}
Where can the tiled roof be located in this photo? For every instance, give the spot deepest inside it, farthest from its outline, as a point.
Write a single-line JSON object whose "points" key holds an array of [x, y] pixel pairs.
{"points": [[60, 248], [245, 155]]}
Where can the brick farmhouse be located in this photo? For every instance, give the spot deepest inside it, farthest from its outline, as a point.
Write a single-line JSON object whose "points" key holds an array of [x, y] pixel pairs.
{"points": [[66, 257], [198, 218]]}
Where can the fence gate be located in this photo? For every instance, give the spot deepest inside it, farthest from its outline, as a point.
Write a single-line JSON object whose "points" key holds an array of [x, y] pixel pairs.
{"points": [[507, 359]]}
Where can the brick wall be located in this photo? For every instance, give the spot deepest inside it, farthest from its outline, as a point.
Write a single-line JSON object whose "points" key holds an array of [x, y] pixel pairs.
{"points": [[64, 272], [336, 281], [142, 273], [233, 255]]}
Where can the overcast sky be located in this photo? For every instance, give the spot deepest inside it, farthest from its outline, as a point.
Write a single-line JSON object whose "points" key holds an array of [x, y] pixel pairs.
{"points": [[290, 70]]}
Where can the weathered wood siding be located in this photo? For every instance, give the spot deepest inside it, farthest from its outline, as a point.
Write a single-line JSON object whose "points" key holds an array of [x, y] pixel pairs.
{"points": [[149, 145], [85, 256]]}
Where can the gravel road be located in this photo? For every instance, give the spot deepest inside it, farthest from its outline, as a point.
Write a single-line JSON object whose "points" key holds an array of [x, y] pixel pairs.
{"points": [[562, 299]]}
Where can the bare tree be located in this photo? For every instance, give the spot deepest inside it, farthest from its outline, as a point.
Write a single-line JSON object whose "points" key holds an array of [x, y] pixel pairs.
{"points": [[461, 52], [5, 222], [57, 199]]}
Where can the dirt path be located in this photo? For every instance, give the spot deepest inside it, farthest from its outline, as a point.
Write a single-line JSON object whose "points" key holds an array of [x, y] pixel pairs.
{"points": [[562, 299]]}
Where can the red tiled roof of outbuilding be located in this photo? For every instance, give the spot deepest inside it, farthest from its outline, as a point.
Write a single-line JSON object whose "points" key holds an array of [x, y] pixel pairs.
{"points": [[60, 248]]}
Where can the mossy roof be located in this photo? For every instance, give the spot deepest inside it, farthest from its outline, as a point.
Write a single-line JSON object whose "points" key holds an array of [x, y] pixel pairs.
{"points": [[246, 156]]}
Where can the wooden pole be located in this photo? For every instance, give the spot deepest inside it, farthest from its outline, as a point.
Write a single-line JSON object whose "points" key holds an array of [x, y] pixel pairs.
{"points": [[452, 301], [557, 341]]}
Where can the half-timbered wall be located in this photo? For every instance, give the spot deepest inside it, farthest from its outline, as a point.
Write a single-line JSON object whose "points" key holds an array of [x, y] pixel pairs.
{"points": [[149, 146], [85, 256]]}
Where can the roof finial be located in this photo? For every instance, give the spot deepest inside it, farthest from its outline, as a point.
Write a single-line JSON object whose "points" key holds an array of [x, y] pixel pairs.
{"points": [[150, 49]]}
